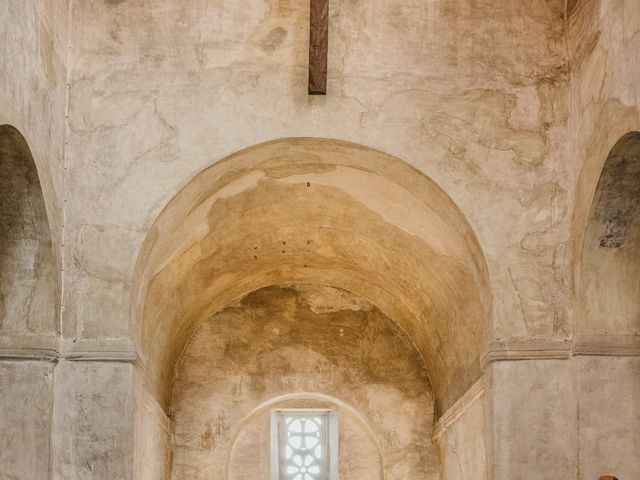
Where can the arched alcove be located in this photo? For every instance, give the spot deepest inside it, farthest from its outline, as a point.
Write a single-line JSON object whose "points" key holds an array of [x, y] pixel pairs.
{"points": [[301, 346], [323, 212], [608, 289], [27, 279]]}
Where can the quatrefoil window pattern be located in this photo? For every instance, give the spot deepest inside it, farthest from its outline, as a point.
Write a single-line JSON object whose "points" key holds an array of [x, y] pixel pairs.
{"points": [[302, 447]]}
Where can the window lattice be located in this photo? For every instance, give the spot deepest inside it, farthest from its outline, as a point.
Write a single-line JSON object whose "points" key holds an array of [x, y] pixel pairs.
{"points": [[303, 447]]}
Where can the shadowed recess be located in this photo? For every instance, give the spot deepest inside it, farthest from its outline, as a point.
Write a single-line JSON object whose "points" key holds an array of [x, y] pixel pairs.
{"points": [[324, 212], [27, 287], [609, 287]]}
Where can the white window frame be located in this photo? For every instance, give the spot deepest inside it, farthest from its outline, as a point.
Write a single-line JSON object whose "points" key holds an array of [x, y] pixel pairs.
{"points": [[332, 437]]}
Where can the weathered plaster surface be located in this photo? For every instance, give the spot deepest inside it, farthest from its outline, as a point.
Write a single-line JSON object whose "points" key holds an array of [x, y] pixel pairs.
{"points": [[280, 343], [608, 389], [476, 101], [534, 419], [510, 107], [93, 421], [25, 417]]}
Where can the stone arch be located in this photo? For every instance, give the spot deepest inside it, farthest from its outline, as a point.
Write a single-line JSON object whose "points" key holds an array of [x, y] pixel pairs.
{"points": [[27, 269], [608, 285], [316, 211]]}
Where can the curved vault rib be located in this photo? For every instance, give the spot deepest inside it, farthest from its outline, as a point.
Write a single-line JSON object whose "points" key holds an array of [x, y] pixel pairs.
{"points": [[324, 211]]}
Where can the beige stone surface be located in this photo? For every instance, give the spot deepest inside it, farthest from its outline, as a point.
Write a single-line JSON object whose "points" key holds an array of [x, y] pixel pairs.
{"points": [[534, 417], [25, 417], [453, 183], [609, 414], [93, 421]]}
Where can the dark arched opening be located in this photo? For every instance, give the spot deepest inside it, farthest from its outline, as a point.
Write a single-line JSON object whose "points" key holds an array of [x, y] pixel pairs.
{"points": [[27, 285], [609, 283]]}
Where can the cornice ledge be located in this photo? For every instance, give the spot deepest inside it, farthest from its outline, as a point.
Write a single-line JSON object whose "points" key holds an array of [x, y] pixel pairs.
{"points": [[515, 349], [607, 345], [54, 349], [527, 349], [29, 347], [100, 350]]}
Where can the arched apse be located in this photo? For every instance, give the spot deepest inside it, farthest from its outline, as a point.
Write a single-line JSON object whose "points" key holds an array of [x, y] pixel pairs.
{"points": [[301, 346], [608, 288], [324, 212], [27, 278]]}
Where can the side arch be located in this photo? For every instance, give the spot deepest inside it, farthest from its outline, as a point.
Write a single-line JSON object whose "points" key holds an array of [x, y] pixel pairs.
{"points": [[316, 211], [608, 281], [27, 268]]}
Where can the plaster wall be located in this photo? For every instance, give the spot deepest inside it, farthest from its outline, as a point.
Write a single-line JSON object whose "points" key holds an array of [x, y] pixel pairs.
{"points": [[25, 416], [533, 420], [608, 389], [471, 93], [570, 424], [93, 427], [489, 98]]}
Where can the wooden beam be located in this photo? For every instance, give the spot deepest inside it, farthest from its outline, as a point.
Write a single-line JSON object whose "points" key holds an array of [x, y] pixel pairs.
{"points": [[318, 47]]}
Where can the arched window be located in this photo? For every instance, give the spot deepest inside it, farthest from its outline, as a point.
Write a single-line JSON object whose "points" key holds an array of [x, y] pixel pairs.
{"points": [[304, 444]]}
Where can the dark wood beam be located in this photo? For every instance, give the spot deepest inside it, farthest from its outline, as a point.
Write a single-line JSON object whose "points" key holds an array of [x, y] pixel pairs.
{"points": [[318, 47]]}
